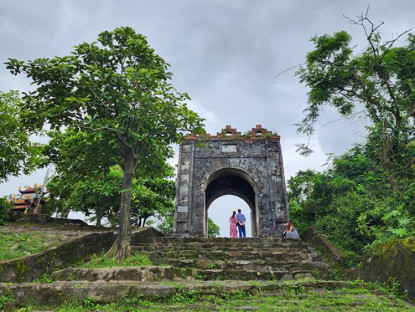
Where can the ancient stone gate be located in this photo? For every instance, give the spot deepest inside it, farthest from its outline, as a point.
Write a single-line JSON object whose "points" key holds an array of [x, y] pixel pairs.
{"points": [[248, 166]]}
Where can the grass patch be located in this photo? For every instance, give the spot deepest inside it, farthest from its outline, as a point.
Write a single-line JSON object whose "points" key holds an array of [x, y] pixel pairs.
{"points": [[103, 261], [16, 245], [4, 300], [355, 298], [45, 278]]}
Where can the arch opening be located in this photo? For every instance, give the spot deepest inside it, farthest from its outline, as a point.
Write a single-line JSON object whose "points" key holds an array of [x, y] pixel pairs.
{"points": [[221, 209], [233, 182]]}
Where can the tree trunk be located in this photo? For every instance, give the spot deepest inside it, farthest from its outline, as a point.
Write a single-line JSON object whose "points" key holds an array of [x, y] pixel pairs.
{"points": [[99, 218], [122, 243]]}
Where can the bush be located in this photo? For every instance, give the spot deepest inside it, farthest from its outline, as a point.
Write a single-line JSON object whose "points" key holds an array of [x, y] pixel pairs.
{"points": [[5, 206]]}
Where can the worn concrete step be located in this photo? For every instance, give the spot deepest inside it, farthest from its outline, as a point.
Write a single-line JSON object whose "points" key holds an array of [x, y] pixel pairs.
{"points": [[216, 242], [171, 273], [160, 257], [223, 248], [259, 265], [58, 293], [140, 274]]}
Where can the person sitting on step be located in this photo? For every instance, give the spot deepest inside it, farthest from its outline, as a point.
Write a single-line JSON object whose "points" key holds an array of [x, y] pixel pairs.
{"points": [[290, 231]]}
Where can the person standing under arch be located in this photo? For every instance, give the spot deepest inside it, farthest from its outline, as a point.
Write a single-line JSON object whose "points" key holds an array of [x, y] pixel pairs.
{"points": [[232, 221], [241, 220]]}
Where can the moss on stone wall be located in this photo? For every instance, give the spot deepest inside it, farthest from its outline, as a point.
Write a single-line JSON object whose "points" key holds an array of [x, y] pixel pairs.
{"points": [[21, 268], [335, 257], [391, 259]]}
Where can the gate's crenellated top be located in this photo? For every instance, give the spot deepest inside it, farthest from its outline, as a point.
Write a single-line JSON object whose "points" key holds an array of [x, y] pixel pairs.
{"points": [[246, 165], [231, 133]]}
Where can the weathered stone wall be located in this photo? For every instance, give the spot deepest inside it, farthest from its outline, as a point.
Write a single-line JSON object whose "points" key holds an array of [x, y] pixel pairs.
{"points": [[29, 268], [392, 259], [249, 166], [325, 248]]}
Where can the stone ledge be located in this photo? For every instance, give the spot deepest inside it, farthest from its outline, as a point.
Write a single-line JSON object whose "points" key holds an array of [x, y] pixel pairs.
{"points": [[391, 259], [322, 244], [29, 268]]}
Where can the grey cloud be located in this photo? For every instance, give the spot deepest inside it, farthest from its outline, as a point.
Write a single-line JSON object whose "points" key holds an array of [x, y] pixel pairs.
{"points": [[225, 54]]}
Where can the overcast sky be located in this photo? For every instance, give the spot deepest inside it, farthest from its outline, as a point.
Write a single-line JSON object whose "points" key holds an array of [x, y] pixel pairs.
{"points": [[226, 54]]}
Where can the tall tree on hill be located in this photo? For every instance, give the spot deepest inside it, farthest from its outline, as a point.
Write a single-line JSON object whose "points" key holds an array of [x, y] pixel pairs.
{"points": [[381, 79], [117, 87]]}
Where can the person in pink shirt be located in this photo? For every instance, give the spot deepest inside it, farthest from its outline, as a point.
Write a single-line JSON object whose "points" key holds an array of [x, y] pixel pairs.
{"points": [[232, 221]]}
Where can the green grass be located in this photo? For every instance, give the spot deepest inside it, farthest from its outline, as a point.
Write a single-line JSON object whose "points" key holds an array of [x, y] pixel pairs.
{"points": [[103, 261], [4, 300], [15, 245], [365, 297]]}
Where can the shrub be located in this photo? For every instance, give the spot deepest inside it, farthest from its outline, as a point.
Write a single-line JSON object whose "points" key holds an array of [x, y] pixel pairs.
{"points": [[5, 206]]}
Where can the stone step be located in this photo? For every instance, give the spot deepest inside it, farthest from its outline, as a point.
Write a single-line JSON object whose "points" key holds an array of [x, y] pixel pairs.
{"points": [[217, 242], [233, 271], [57, 293], [222, 248], [170, 273], [160, 257], [139, 274], [256, 265]]}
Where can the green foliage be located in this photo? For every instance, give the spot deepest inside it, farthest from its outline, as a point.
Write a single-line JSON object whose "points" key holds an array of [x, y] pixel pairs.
{"points": [[88, 304], [368, 196], [184, 295], [89, 180], [213, 228], [98, 196], [45, 278], [6, 299], [18, 154], [237, 294], [351, 203], [381, 80], [5, 206], [118, 89]]}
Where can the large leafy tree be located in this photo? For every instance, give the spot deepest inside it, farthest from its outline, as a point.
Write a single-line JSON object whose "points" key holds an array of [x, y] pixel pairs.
{"points": [[89, 179], [17, 153], [351, 202], [97, 196], [380, 79], [117, 87]]}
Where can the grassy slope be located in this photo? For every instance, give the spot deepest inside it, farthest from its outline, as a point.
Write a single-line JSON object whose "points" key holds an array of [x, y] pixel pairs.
{"points": [[358, 299]]}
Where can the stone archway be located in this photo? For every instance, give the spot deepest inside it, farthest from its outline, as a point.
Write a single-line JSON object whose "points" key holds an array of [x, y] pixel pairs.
{"points": [[236, 182], [248, 166]]}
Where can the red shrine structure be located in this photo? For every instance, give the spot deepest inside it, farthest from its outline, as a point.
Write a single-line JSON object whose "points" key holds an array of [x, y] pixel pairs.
{"points": [[31, 200]]}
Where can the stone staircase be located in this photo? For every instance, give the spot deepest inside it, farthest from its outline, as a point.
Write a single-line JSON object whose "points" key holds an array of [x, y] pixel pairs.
{"points": [[205, 264], [235, 259], [212, 259]]}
